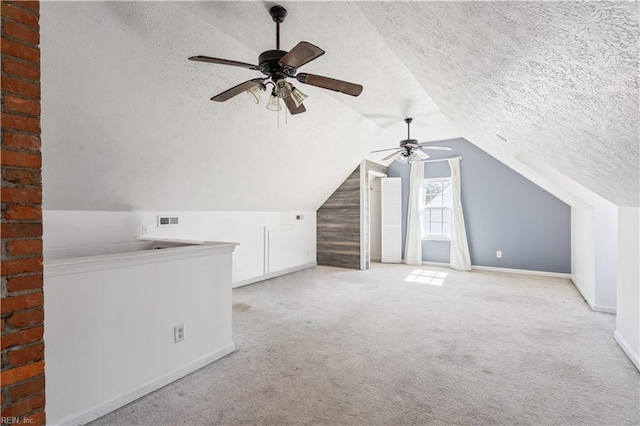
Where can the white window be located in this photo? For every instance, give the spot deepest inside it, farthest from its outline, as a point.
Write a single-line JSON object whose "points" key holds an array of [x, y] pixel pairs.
{"points": [[436, 209]]}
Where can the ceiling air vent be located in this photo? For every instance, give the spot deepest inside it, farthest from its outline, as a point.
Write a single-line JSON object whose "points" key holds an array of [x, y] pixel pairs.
{"points": [[167, 220]]}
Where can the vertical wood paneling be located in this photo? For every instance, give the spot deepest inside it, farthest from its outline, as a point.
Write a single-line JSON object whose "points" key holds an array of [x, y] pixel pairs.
{"points": [[338, 226], [339, 222]]}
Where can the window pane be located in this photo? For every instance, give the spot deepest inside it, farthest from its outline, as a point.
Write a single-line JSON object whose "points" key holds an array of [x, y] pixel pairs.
{"points": [[436, 228], [446, 229], [429, 199], [436, 211]]}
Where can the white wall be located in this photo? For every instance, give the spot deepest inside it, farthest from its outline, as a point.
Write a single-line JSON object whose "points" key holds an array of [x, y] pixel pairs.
{"points": [[594, 232], [110, 326], [627, 332], [64, 229], [594, 249], [583, 261], [606, 249]]}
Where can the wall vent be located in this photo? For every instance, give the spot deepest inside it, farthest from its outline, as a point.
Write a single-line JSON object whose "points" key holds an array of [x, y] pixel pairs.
{"points": [[167, 220]]}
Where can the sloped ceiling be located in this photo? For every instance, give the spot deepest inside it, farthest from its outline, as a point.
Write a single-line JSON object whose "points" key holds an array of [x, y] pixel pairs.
{"points": [[557, 80], [128, 125]]}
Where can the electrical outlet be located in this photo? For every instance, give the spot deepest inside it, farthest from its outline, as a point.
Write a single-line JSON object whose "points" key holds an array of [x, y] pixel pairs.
{"points": [[178, 333], [499, 254]]}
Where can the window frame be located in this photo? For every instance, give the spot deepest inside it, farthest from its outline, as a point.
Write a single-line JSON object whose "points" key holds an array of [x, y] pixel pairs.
{"points": [[423, 207]]}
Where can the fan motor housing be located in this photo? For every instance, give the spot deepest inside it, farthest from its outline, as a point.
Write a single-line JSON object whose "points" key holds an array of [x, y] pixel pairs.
{"points": [[269, 63], [406, 141]]}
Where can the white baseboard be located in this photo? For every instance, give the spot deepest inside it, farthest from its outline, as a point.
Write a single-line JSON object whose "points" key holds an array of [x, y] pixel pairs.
{"points": [[584, 295], [273, 274], [605, 309], [506, 270], [108, 406], [593, 306], [627, 349], [521, 271], [441, 264]]}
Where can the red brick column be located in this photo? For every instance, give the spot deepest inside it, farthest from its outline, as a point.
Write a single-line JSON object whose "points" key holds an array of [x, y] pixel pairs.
{"points": [[22, 314]]}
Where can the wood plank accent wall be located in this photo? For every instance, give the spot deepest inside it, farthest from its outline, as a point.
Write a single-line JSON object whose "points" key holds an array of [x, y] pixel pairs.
{"points": [[338, 226], [338, 222]]}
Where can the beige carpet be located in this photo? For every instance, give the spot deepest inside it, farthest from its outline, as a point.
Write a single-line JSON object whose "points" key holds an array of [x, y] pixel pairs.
{"points": [[339, 347]]}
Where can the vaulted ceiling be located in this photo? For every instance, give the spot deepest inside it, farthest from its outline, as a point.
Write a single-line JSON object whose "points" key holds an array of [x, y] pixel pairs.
{"points": [[128, 125]]}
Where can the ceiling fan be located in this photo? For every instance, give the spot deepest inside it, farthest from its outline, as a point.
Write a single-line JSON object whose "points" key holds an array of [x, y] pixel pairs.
{"points": [[410, 149], [278, 65]]}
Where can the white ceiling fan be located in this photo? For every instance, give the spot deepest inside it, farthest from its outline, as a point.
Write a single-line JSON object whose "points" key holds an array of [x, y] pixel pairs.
{"points": [[410, 149]]}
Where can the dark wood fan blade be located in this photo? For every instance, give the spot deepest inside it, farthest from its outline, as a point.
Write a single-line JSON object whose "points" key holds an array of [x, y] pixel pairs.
{"points": [[228, 94], [330, 83], [382, 150], [391, 155], [224, 62], [301, 54], [291, 106]]}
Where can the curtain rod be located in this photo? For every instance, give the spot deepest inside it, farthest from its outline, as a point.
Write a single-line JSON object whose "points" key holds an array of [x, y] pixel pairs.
{"points": [[439, 159]]}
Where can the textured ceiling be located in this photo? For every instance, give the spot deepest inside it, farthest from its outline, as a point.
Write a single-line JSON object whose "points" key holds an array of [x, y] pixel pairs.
{"points": [[557, 80], [127, 124]]}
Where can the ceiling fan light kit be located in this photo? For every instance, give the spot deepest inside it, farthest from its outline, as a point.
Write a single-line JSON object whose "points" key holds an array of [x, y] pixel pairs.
{"points": [[411, 150], [274, 102], [298, 97], [256, 92], [283, 89], [278, 65]]}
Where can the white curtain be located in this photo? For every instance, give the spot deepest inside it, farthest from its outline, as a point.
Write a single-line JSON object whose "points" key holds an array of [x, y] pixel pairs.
{"points": [[413, 243], [459, 255]]}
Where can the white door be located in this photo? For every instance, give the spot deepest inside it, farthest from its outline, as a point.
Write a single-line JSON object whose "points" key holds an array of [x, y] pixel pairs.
{"points": [[391, 218], [375, 223]]}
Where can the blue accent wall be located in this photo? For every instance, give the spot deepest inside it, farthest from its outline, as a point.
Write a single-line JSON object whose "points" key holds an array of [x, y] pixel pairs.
{"points": [[503, 211]]}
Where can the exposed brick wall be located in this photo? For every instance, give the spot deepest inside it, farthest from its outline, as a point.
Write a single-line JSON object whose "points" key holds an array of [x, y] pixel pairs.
{"points": [[22, 314]]}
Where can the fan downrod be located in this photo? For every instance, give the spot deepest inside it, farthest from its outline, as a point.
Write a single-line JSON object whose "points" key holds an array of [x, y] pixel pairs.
{"points": [[408, 120], [278, 13]]}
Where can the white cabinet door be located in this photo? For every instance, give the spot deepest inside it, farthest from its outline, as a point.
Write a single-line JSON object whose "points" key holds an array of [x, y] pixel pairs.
{"points": [[391, 218]]}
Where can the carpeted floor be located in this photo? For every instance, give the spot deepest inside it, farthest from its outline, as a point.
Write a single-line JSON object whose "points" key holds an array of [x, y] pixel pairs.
{"points": [[339, 347]]}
